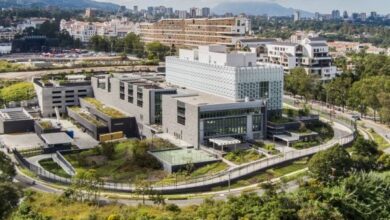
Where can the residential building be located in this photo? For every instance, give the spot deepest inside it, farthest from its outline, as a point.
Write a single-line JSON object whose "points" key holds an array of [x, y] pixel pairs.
{"points": [[5, 48], [310, 53], [31, 23], [7, 34], [90, 12], [86, 30], [193, 12], [57, 94], [195, 32], [182, 14]]}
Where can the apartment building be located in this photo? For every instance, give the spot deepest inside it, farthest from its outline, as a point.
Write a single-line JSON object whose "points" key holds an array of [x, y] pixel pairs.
{"points": [[86, 30], [57, 94], [232, 75], [7, 34], [196, 31]]}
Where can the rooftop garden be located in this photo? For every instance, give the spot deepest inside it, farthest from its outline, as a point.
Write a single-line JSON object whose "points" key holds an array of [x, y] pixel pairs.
{"points": [[111, 112], [296, 113], [269, 147], [87, 117], [243, 156], [46, 125], [129, 161], [324, 131]]}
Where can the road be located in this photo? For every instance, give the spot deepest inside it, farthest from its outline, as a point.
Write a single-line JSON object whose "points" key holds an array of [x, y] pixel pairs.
{"points": [[28, 75], [381, 129]]}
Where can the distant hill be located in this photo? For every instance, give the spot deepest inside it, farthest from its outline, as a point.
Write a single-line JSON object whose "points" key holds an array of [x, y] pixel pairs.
{"points": [[66, 4], [257, 8]]}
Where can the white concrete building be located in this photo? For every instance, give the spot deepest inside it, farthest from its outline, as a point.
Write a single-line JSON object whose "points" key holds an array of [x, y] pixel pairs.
{"points": [[31, 23], [235, 75], [86, 30], [311, 53]]}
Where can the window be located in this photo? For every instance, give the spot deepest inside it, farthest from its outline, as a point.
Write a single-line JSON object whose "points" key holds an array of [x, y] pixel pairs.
{"points": [[56, 92], [82, 90]]}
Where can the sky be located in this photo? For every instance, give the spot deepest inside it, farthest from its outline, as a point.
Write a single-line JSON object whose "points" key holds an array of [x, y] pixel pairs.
{"points": [[323, 6]]}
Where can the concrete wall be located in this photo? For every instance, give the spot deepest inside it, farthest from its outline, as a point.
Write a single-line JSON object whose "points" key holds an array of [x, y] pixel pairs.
{"points": [[188, 132], [7, 127], [47, 99]]}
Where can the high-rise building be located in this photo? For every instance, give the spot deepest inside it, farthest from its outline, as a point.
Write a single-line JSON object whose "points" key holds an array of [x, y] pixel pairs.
{"points": [[182, 14], [193, 11], [135, 8], [205, 12], [317, 16], [345, 15], [373, 14], [335, 14], [90, 12], [297, 15], [195, 32]]}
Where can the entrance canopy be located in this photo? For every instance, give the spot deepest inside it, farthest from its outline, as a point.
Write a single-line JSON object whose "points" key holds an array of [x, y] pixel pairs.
{"points": [[223, 141]]}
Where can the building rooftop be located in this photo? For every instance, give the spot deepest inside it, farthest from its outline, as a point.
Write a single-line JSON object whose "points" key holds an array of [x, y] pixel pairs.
{"points": [[200, 99], [14, 114], [56, 138]]}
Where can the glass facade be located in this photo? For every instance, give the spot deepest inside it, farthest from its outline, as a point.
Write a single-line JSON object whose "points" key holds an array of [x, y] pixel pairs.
{"points": [[157, 104], [227, 113], [181, 113], [256, 122], [254, 90], [225, 126]]}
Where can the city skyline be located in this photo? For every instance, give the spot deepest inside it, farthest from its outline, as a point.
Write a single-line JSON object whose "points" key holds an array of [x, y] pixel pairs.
{"points": [[380, 6]]}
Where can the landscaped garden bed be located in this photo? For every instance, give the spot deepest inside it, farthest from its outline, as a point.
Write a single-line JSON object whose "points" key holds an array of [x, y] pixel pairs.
{"points": [[325, 133], [111, 112], [243, 156], [53, 167]]}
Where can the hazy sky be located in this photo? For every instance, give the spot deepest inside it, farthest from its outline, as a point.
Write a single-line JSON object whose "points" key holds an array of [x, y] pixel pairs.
{"points": [[324, 6]]}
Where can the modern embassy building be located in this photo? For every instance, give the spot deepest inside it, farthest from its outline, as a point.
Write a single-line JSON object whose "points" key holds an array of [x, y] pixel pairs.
{"points": [[58, 94], [230, 98]]}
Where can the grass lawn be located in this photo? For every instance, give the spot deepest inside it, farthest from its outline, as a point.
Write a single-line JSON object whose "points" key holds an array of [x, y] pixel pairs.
{"points": [[243, 156], [48, 205], [53, 167], [202, 171], [275, 172], [120, 168], [379, 140]]}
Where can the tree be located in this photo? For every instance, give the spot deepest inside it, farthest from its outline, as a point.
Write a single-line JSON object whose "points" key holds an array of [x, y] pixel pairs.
{"points": [[143, 188], [364, 154], [157, 50], [18, 92], [9, 198], [7, 170], [108, 149], [298, 82], [331, 164]]}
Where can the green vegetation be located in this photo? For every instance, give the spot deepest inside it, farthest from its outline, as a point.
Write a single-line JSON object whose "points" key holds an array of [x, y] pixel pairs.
{"points": [[209, 169], [379, 140], [124, 163], [157, 51], [17, 92], [270, 148], [104, 109], [243, 156], [324, 131], [365, 88], [6, 66], [9, 193], [87, 117], [46, 125], [131, 44], [280, 120], [53, 167]]}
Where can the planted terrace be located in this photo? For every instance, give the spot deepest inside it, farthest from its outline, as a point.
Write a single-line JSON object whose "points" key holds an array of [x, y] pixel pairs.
{"points": [[87, 116], [111, 112]]}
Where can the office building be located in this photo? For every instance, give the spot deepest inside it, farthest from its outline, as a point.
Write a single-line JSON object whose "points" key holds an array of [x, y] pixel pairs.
{"points": [[90, 12], [235, 76], [135, 8], [193, 12], [195, 32], [182, 14], [57, 94], [138, 95], [205, 12]]}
